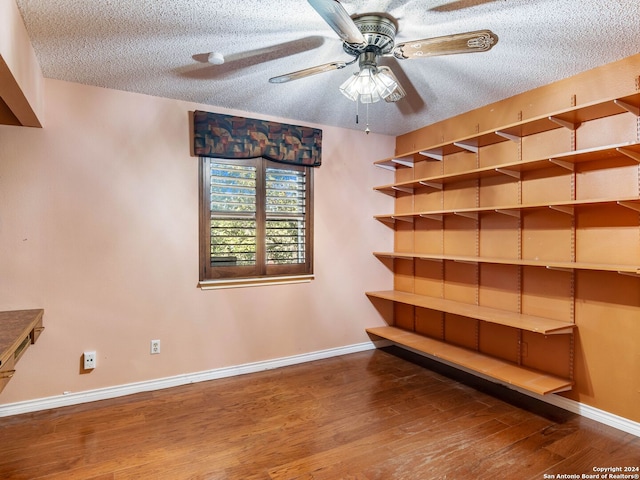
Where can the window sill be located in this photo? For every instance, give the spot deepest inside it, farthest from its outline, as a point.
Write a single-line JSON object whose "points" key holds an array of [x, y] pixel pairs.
{"points": [[253, 282]]}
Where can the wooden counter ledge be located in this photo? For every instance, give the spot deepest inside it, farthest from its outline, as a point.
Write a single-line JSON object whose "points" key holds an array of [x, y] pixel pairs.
{"points": [[18, 330]]}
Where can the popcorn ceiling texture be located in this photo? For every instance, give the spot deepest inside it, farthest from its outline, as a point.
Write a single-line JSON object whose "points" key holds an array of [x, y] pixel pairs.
{"points": [[160, 48]]}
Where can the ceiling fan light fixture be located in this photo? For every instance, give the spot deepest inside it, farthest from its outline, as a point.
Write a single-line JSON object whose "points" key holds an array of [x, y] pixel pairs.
{"points": [[369, 85], [398, 93], [385, 77]]}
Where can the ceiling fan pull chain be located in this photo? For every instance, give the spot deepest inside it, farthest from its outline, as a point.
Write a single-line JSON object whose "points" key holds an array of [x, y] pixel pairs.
{"points": [[366, 130]]}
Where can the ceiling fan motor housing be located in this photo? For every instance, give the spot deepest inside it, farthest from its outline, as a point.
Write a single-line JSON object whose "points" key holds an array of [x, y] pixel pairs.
{"points": [[378, 29]]}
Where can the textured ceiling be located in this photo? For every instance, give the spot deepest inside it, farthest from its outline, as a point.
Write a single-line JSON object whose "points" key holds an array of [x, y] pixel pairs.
{"points": [[158, 48]]}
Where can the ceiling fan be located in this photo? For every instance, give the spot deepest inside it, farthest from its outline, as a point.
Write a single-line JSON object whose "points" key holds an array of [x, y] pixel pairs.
{"points": [[369, 36]]}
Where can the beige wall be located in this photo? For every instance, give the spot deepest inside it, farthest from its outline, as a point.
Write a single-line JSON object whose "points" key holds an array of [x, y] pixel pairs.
{"points": [[98, 226]]}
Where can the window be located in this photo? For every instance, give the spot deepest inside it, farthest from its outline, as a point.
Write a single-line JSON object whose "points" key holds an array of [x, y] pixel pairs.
{"points": [[256, 219]]}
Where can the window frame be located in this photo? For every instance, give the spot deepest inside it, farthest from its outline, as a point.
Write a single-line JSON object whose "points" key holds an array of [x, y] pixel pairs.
{"points": [[261, 272]]}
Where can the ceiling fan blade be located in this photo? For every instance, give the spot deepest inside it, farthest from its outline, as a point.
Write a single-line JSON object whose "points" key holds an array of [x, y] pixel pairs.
{"points": [[398, 93], [469, 42], [307, 72], [338, 18], [459, 5], [233, 62]]}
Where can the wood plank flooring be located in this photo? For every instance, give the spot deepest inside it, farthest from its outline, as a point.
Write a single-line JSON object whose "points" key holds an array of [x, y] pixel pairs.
{"points": [[365, 416]]}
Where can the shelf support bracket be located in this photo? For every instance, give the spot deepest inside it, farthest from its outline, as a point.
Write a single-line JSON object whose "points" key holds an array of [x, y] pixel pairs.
{"points": [[403, 219], [403, 189], [384, 255], [630, 274], [564, 123], [563, 209], [629, 153], [436, 217], [511, 213], [631, 205], [389, 220], [559, 269], [467, 262], [471, 215], [404, 163], [437, 186], [385, 167], [508, 136], [466, 146], [511, 173], [628, 107], [432, 155], [561, 163]]}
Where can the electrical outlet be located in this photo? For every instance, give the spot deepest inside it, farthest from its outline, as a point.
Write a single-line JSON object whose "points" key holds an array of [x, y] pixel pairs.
{"points": [[155, 347], [89, 360]]}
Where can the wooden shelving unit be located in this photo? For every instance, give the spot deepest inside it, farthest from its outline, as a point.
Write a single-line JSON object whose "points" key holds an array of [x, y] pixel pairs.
{"points": [[492, 231]]}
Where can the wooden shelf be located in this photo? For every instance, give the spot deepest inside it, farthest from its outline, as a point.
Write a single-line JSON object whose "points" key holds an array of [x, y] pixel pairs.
{"points": [[513, 210], [570, 118], [629, 151], [503, 371], [559, 265], [545, 326]]}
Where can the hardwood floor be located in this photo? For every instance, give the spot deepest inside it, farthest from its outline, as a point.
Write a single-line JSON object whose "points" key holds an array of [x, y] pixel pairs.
{"points": [[365, 416]]}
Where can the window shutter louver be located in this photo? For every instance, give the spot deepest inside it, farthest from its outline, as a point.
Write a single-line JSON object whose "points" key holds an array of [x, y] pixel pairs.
{"points": [[233, 214]]}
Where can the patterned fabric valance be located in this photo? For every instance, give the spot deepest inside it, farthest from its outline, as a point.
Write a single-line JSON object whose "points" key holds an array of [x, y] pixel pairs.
{"points": [[228, 136]]}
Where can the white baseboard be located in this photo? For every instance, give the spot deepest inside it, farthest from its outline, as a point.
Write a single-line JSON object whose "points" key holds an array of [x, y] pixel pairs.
{"points": [[598, 415], [572, 406], [28, 406], [76, 398]]}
